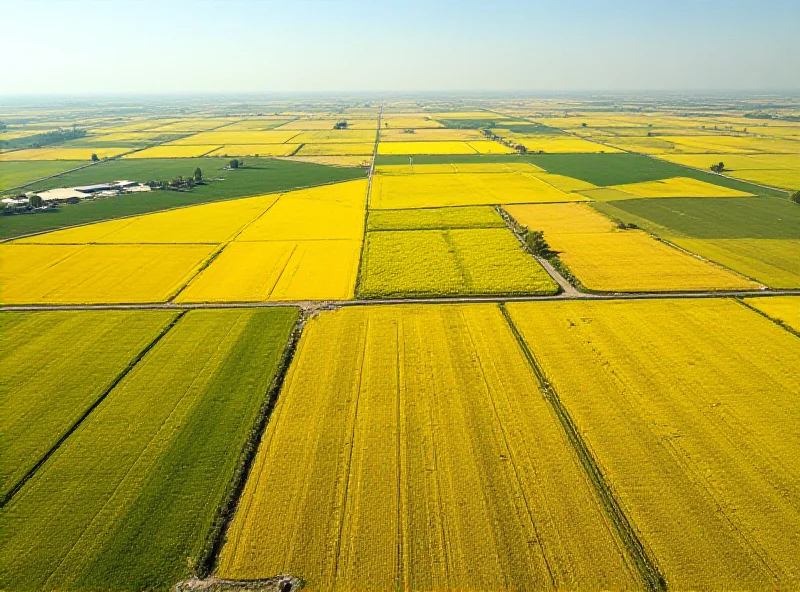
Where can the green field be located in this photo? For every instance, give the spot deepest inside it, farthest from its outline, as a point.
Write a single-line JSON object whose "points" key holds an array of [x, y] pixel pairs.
{"points": [[435, 218], [736, 217], [618, 169], [449, 262], [53, 367], [758, 237], [144, 475], [260, 175], [14, 174]]}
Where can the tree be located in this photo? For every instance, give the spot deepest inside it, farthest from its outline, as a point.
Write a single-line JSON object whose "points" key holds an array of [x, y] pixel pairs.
{"points": [[583, 124], [718, 168], [35, 201], [536, 243], [198, 175], [234, 164], [94, 158], [795, 197]]}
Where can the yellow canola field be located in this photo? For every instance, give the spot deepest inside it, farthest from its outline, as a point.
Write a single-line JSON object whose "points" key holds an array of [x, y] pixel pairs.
{"points": [[248, 137], [737, 162], [172, 151], [193, 125], [261, 124], [414, 440], [689, 408], [208, 223], [560, 144], [429, 135], [343, 160], [732, 144], [408, 122], [95, 274], [428, 191], [679, 187], [782, 178], [335, 136], [278, 270], [463, 168], [255, 150], [61, 153], [425, 148], [563, 182], [333, 211], [609, 260], [362, 149], [785, 309]]}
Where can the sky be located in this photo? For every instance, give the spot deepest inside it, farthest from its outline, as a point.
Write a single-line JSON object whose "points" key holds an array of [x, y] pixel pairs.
{"points": [[110, 47]]}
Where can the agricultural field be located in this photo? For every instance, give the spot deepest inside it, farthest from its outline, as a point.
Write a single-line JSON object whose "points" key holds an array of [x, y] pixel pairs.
{"points": [[426, 191], [144, 474], [449, 261], [605, 258], [690, 423], [401, 343], [757, 237], [379, 419]]}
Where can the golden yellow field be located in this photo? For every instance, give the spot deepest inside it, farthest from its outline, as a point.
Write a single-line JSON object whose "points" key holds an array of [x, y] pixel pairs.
{"points": [[323, 149], [426, 191], [336, 136], [732, 144], [255, 150], [305, 124], [278, 270], [320, 213], [490, 147], [679, 187], [247, 137], [173, 151], [427, 148], [463, 168], [737, 162], [193, 125], [210, 223], [414, 440], [559, 144], [429, 135], [87, 274], [609, 260], [563, 182], [684, 409], [782, 178], [785, 309], [408, 122], [62, 153], [343, 160]]}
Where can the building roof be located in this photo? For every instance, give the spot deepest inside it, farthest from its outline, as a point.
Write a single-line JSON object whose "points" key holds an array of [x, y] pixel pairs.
{"points": [[62, 193]]}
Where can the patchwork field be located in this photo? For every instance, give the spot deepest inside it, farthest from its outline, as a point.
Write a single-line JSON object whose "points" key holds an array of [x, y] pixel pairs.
{"points": [[784, 309], [61, 154], [681, 406], [86, 274], [455, 189], [175, 151], [678, 187], [449, 262], [255, 150], [333, 149], [144, 475], [452, 147], [607, 259], [435, 218], [383, 420]]}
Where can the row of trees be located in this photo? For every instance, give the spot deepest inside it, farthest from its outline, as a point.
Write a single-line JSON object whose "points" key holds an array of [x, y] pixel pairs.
{"points": [[179, 182]]}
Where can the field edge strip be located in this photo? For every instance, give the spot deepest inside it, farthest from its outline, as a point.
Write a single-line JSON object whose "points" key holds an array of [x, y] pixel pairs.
{"points": [[775, 320], [215, 540], [647, 569], [88, 411]]}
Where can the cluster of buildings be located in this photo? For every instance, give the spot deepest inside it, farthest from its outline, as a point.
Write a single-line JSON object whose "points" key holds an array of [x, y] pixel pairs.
{"points": [[76, 194]]}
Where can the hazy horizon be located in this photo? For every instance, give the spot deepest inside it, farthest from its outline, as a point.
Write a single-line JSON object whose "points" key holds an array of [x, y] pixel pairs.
{"points": [[260, 47]]}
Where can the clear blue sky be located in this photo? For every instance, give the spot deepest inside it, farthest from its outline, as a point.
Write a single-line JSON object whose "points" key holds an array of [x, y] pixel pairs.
{"points": [[169, 46]]}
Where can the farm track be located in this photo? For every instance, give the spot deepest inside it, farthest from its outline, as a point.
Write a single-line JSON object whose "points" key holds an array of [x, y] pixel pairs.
{"points": [[331, 304]]}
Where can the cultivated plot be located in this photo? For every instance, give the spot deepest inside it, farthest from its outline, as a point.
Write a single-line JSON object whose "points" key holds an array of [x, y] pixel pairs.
{"points": [[784, 309], [418, 462], [130, 499], [449, 262], [691, 424]]}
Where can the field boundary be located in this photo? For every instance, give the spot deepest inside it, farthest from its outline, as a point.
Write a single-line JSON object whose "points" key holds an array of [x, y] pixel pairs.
{"points": [[209, 556], [646, 567], [777, 321], [88, 411], [370, 174]]}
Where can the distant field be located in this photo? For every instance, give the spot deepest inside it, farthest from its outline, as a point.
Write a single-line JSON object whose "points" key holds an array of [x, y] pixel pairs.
{"points": [[449, 262], [53, 367], [685, 410], [678, 187], [334, 149], [424, 191], [443, 148], [435, 218], [414, 440], [258, 176], [607, 259], [170, 151], [56, 153], [130, 499]]}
